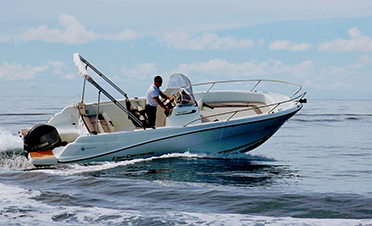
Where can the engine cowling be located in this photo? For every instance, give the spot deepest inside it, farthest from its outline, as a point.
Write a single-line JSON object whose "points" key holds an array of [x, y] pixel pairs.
{"points": [[41, 137]]}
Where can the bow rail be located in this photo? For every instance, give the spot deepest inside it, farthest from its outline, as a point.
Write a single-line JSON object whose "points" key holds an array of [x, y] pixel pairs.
{"points": [[258, 81], [298, 99]]}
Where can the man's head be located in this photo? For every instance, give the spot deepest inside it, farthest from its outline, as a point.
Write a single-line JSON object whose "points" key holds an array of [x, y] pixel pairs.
{"points": [[158, 81]]}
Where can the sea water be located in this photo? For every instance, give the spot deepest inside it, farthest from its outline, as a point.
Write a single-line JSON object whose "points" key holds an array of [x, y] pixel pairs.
{"points": [[316, 170]]}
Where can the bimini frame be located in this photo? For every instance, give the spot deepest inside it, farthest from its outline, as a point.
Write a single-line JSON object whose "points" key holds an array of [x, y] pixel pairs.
{"points": [[79, 63]]}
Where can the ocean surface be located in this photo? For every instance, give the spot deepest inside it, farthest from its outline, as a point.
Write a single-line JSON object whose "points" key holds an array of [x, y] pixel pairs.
{"points": [[316, 170]]}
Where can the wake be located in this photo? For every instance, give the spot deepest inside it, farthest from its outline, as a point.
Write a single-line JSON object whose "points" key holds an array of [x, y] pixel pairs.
{"points": [[9, 142], [11, 152], [15, 160], [76, 168]]}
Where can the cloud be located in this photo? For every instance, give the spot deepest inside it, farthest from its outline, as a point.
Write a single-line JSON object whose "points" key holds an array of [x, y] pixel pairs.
{"points": [[355, 68], [33, 85], [206, 41], [17, 71], [342, 85], [342, 78], [288, 45], [125, 35], [219, 67], [4, 38], [357, 42], [58, 66], [69, 76], [318, 76], [143, 71], [73, 33], [365, 59]]}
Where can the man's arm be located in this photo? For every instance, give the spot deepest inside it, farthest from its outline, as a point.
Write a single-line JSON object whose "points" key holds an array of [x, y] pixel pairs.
{"points": [[164, 95], [161, 103]]}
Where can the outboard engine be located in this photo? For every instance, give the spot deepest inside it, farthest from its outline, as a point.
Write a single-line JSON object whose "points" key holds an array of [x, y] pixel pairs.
{"points": [[41, 137]]}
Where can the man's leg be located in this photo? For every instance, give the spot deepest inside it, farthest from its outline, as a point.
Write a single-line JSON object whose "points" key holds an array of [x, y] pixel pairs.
{"points": [[151, 115]]}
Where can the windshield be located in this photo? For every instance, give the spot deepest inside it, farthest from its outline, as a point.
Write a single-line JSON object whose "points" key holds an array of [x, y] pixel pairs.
{"points": [[179, 83]]}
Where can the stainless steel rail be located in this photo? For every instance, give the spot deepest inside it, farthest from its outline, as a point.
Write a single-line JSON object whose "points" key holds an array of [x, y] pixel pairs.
{"points": [[233, 113], [258, 81]]}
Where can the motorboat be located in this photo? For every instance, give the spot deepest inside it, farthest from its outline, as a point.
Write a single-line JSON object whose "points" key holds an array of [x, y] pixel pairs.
{"points": [[213, 122]]}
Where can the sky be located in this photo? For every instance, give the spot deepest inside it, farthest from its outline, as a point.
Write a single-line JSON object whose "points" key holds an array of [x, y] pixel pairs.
{"points": [[325, 46]]}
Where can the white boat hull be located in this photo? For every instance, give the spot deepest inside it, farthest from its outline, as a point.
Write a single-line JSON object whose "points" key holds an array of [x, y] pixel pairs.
{"points": [[240, 135]]}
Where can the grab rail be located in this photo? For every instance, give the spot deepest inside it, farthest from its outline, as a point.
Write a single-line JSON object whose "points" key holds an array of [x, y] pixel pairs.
{"points": [[233, 113], [258, 81]]}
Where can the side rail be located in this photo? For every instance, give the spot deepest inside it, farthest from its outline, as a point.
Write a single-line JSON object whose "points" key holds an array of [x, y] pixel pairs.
{"points": [[298, 99], [258, 81]]}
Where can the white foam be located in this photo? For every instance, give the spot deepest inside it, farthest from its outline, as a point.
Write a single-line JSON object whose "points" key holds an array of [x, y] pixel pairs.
{"points": [[243, 219], [9, 142], [239, 156], [15, 162], [71, 169], [18, 206]]}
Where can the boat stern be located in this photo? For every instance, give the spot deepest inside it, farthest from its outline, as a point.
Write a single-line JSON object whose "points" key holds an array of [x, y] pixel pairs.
{"points": [[42, 158]]}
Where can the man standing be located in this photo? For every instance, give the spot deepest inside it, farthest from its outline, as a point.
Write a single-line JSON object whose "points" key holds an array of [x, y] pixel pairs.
{"points": [[152, 98]]}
